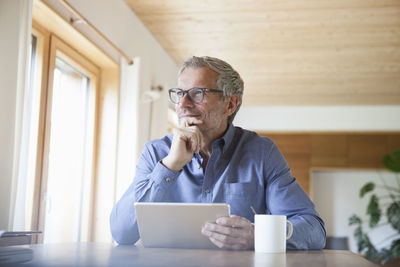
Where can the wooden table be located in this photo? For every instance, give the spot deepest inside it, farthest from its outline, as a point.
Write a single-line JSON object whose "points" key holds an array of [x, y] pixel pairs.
{"points": [[99, 254]]}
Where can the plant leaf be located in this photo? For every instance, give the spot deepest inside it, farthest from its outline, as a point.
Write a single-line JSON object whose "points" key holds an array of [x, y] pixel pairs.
{"points": [[393, 252], [395, 249], [393, 214], [358, 233], [385, 255], [354, 219], [392, 161], [366, 188], [372, 254], [362, 242], [374, 211]]}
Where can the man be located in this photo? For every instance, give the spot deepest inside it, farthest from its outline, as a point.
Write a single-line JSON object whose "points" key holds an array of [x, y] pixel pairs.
{"points": [[209, 160]]}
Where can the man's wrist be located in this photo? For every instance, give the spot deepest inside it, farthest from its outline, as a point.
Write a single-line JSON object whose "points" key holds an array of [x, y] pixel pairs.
{"points": [[171, 165]]}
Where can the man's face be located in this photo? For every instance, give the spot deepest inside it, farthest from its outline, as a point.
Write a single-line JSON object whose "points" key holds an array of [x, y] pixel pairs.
{"points": [[209, 115]]}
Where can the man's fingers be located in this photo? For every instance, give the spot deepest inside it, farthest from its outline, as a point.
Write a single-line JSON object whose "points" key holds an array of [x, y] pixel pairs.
{"points": [[224, 241], [195, 137], [194, 142], [189, 121], [232, 232], [233, 221], [192, 136], [199, 141], [240, 233], [226, 230], [220, 237], [183, 123], [194, 121]]}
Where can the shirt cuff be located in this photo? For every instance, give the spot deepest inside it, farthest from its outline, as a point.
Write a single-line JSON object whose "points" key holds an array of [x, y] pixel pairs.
{"points": [[163, 176]]}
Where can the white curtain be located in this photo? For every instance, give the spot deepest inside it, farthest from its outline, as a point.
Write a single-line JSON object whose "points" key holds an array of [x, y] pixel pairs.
{"points": [[127, 150], [15, 26]]}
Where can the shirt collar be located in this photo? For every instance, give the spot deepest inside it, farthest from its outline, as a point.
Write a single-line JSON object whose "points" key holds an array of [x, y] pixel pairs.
{"points": [[228, 137], [224, 141]]}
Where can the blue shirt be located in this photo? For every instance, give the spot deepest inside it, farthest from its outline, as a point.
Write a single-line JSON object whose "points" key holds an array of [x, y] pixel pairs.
{"points": [[243, 170]]}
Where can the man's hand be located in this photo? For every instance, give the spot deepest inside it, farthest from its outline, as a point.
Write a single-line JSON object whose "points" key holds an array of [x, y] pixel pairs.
{"points": [[187, 140], [232, 232]]}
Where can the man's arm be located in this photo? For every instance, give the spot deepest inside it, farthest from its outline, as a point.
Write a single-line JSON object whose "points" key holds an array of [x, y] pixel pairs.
{"points": [[285, 196], [150, 182], [156, 173]]}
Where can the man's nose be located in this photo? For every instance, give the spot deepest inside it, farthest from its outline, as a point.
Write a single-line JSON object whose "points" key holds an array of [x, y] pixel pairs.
{"points": [[185, 101]]}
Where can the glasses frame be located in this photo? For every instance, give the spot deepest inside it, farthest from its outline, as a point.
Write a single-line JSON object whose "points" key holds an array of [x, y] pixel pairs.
{"points": [[204, 90]]}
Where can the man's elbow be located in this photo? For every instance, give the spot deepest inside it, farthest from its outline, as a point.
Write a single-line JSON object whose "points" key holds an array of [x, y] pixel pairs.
{"points": [[122, 240], [120, 237], [317, 235], [120, 232], [319, 243], [318, 238], [308, 236]]}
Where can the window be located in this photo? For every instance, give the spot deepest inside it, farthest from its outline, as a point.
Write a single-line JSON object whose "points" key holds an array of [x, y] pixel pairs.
{"points": [[60, 140], [69, 146], [29, 143], [72, 182]]}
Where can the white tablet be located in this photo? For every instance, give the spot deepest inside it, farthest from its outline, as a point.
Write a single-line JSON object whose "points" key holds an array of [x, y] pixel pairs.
{"points": [[177, 225]]}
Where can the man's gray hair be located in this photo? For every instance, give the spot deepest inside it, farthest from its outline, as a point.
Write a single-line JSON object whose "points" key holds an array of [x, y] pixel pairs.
{"points": [[229, 80]]}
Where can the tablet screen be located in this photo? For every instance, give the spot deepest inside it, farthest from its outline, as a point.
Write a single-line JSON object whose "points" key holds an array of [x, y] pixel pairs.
{"points": [[177, 225]]}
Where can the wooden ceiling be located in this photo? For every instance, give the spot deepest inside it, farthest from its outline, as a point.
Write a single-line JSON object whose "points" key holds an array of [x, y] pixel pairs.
{"points": [[296, 52]]}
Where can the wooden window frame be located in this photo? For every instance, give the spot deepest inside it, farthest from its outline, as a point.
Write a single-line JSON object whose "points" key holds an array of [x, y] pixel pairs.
{"points": [[46, 22], [79, 62]]}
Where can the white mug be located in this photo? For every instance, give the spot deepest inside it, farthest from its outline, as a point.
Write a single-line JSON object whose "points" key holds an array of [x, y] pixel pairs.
{"points": [[270, 233]]}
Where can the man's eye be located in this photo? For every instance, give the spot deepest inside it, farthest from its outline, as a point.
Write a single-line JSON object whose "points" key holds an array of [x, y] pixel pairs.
{"points": [[179, 93], [197, 93]]}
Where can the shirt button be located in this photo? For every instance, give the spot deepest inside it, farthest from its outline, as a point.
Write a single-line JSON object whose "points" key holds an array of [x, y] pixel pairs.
{"points": [[198, 166], [168, 179], [207, 191]]}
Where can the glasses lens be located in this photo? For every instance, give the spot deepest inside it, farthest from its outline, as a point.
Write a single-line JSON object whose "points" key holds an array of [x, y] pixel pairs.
{"points": [[175, 95], [196, 94]]}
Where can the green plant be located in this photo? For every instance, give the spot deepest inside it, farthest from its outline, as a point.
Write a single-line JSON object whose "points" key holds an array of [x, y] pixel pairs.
{"points": [[375, 214]]}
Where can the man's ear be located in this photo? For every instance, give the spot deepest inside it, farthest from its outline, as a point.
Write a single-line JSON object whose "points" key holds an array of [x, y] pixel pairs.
{"points": [[233, 102]]}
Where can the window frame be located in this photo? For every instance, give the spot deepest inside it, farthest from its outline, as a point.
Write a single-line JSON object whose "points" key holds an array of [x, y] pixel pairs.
{"points": [[57, 48], [49, 21]]}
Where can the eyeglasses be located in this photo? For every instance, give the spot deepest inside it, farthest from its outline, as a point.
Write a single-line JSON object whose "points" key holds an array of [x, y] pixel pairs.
{"points": [[195, 94]]}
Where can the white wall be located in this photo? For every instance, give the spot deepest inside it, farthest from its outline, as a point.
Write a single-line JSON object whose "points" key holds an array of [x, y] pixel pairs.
{"points": [[15, 19], [116, 21], [319, 118], [336, 197]]}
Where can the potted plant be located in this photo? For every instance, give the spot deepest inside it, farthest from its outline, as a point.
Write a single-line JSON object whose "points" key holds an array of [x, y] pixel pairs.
{"points": [[383, 213]]}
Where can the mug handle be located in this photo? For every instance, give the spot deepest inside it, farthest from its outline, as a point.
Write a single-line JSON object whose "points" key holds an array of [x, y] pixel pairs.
{"points": [[290, 230]]}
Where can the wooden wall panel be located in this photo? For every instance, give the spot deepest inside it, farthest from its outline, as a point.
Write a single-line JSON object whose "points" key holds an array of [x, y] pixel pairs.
{"points": [[328, 150], [306, 151], [366, 151], [392, 141], [296, 150], [294, 144], [300, 166]]}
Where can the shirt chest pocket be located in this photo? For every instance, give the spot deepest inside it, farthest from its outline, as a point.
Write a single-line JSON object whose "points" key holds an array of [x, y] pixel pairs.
{"points": [[240, 190]]}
